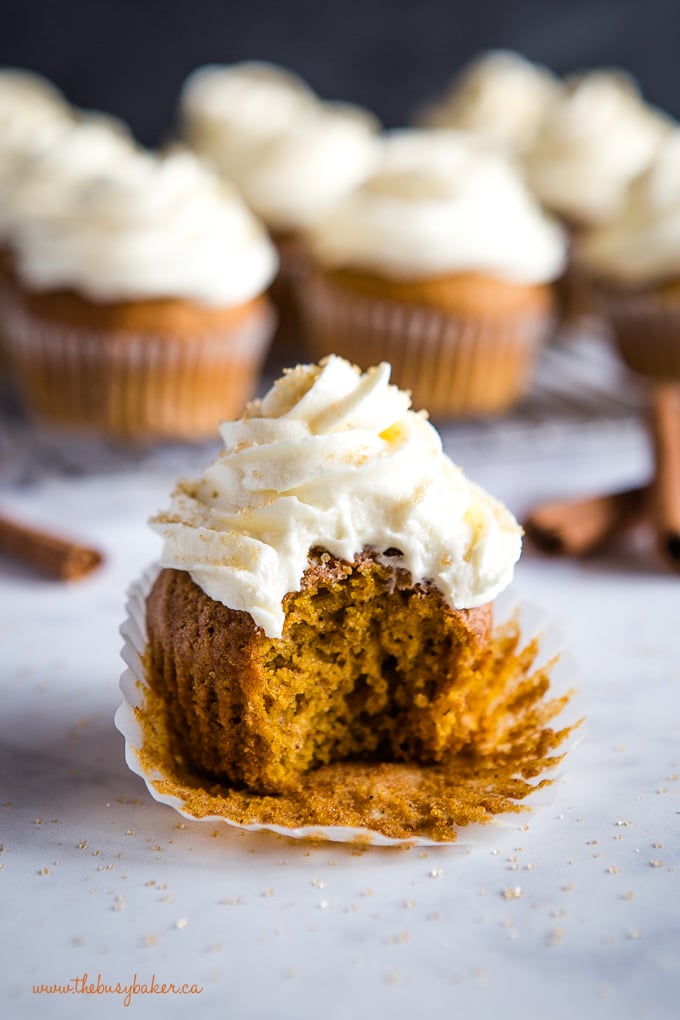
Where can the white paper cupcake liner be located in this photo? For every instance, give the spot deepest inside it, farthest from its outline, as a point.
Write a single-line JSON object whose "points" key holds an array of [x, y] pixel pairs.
{"points": [[533, 622], [132, 387], [454, 365], [646, 330]]}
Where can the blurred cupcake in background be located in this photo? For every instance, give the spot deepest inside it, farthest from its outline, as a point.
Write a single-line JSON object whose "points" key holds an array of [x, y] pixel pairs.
{"points": [[600, 136], [33, 113], [633, 262], [140, 311], [501, 96], [441, 263], [291, 155]]}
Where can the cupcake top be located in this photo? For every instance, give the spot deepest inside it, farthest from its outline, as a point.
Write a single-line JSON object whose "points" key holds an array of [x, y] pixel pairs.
{"points": [[333, 458], [148, 226], [227, 112], [601, 135], [31, 108], [45, 181], [290, 154], [438, 203], [500, 95], [33, 113], [642, 244]]}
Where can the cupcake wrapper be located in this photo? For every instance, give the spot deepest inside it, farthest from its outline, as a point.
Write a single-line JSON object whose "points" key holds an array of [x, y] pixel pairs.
{"points": [[454, 366], [134, 687], [133, 387], [646, 331]]}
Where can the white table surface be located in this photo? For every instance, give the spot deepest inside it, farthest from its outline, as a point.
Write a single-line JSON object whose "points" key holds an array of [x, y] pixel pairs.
{"points": [[573, 910]]}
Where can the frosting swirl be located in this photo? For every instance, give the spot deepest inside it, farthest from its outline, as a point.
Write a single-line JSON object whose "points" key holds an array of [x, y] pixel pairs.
{"points": [[150, 226], [290, 154], [600, 136], [335, 459], [229, 112], [501, 96], [46, 180], [642, 244], [440, 202], [33, 114]]}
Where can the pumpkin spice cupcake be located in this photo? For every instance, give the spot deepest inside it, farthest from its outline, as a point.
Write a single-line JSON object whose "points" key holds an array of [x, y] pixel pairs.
{"points": [[500, 96], [600, 136], [33, 114], [317, 647], [441, 263], [291, 155], [633, 263], [141, 312]]}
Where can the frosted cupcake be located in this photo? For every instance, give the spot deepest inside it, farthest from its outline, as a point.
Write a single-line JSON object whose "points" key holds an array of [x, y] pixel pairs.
{"points": [[634, 263], [291, 155], [600, 136], [318, 646], [33, 114], [141, 312], [46, 180], [501, 96], [441, 263]]}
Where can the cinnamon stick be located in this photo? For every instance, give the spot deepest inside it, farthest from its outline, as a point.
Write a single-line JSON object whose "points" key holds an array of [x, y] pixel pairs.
{"points": [[50, 554], [580, 526], [665, 420]]}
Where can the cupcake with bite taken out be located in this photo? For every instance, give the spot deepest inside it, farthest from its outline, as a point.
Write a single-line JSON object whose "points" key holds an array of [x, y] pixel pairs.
{"points": [[141, 312], [442, 263], [317, 651]]}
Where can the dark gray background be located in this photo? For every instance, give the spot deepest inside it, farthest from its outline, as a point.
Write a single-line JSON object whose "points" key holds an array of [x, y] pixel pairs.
{"points": [[129, 57]]}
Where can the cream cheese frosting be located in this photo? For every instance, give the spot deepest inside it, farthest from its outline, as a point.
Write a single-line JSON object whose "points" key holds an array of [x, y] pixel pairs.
{"points": [[600, 136], [149, 226], [291, 155], [502, 96], [334, 458], [30, 107], [228, 112], [47, 179], [642, 244], [439, 202], [33, 114]]}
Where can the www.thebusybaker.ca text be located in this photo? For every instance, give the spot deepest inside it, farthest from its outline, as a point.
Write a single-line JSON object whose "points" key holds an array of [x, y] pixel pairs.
{"points": [[83, 985]]}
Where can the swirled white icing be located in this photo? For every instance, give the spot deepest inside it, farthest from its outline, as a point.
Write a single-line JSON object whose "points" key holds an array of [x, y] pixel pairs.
{"points": [[291, 155], [149, 226], [228, 112], [501, 96], [33, 114], [600, 135], [642, 244], [31, 108], [439, 202], [334, 458], [47, 180]]}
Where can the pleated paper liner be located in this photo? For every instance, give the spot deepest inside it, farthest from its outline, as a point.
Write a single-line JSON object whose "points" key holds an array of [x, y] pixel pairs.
{"points": [[133, 388], [646, 329], [533, 721], [455, 366]]}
